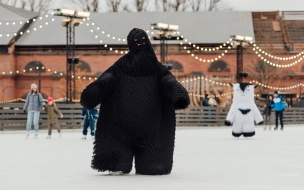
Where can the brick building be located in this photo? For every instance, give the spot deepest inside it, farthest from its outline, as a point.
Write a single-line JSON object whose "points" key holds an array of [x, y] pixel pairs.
{"points": [[43, 41]]}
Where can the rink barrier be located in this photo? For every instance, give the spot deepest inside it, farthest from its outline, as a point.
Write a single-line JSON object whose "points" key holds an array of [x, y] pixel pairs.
{"points": [[13, 118]]}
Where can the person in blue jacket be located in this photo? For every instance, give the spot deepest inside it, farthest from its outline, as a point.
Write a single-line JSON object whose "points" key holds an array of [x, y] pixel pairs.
{"points": [[89, 117], [279, 106]]}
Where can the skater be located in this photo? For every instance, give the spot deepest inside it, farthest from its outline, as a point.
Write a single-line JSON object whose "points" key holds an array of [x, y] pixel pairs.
{"points": [[279, 106], [52, 117], [138, 97], [212, 101], [267, 112], [89, 117], [243, 111], [33, 105]]}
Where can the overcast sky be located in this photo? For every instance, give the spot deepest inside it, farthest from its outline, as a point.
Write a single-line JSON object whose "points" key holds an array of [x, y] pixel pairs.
{"points": [[237, 5]]}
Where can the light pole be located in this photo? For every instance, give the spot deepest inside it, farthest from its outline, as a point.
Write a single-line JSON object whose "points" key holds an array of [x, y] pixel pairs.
{"points": [[71, 19], [240, 42], [165, 32]]}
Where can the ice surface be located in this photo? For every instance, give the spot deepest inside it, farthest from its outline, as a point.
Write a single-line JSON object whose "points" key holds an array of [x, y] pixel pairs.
{"points": [[205, 158]]}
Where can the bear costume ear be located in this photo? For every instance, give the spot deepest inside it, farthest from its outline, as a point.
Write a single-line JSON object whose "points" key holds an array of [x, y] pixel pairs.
{"points": [[231, 84], [256, 86]]}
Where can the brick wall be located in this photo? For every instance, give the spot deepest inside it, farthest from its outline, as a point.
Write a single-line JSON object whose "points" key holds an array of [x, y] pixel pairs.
{"points": [[55, 87]]}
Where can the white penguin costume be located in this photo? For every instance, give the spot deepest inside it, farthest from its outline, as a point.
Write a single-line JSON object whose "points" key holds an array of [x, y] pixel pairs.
{"points": [[243, 111]]}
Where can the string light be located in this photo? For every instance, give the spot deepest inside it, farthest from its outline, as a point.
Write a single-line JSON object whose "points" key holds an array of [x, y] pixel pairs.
{"points": [[276, 87], [28, 30], [204, 78], [259, 52], [255, 46]]}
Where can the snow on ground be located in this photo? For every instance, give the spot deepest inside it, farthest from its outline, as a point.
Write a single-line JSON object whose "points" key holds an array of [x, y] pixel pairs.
{"points": [[205, 158]]}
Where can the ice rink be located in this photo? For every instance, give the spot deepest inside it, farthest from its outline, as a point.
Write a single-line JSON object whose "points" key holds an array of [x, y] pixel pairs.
{"points": [[205, 158]]}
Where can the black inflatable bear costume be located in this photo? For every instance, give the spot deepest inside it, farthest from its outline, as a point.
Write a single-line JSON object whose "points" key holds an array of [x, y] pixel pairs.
{"points": [[138, 97]]}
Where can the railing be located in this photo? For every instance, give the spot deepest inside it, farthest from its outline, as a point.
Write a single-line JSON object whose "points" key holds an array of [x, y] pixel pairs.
{"points": [[215, 116], [12, 116]]}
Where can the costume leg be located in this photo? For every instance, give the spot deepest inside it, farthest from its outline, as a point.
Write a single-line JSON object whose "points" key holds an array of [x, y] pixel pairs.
{"points": [[85, 127], [154, 154], [237, 129], [112, 152], [248, 129]]}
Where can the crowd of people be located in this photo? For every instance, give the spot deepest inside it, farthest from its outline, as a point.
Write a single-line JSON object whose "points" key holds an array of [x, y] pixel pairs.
{"points": [[35, 104]]}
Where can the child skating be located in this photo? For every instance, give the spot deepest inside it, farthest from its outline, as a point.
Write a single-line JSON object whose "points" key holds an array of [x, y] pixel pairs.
{"points": [[52, 117], [89, 117]]}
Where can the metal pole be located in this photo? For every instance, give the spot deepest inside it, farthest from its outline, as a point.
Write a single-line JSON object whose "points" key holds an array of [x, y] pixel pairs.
{"points": [[39, 77], [239, 63], [67, 64]]}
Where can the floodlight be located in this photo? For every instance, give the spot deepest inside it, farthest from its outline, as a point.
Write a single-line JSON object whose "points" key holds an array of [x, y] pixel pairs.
{"points": [[248, 38], [67, 12], [162, 25], [173, 27], [239, 37], [83, 14], [76, 22], [65, 21]]}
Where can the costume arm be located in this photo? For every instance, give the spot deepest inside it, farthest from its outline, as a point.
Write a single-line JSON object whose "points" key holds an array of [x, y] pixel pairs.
{"points": [[230, 116], [98, 91], [173, 90]]}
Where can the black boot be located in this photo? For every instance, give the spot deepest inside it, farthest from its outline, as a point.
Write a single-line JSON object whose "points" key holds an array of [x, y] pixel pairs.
{"points": [[282, 128], [276, 128]]}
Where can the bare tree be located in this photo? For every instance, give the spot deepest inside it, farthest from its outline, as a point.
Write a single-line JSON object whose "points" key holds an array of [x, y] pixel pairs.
{"points": [[87, 5], [195, 4], [162, 5], [179, 5], [30, 5], [208, 5], [141, 5], [114, 5]]}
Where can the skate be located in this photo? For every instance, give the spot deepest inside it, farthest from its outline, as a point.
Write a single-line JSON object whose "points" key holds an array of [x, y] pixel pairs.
{"points": [[93, 138], [48, 137], [60, 134], [276, 128], [282, 128], [36, 136], [84, 137], [27, 135]]}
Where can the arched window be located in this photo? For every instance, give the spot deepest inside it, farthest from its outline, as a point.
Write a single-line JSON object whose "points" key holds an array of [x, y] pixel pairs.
{"points": [[176, 66], [218, 66], [33, 66], [83, 66]]}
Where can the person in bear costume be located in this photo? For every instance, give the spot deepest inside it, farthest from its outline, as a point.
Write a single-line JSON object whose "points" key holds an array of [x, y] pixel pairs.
{"points": [[243, 111], [138, 97]]}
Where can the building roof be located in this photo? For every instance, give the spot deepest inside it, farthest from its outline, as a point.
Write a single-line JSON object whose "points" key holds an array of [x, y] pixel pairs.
{"points": [[9, 14], [197, 27]]}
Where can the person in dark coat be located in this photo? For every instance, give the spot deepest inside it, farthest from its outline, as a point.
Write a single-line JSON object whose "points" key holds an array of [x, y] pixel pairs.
{"points": [[267, 111], [52, 117], [89, 117], [138, 97]]}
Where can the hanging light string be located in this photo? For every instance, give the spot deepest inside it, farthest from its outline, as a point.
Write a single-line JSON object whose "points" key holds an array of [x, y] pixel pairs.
{"points": [[276, 87], [255, 46], [110, 36], [259, 52], [49, 18], [203, 78], [95, 33], [8, 23]]}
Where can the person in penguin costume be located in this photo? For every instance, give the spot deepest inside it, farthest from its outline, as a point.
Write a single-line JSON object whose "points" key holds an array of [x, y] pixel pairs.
{"points": [[243, 111], [138, 97]]}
